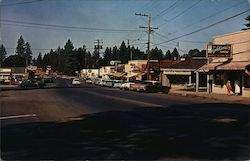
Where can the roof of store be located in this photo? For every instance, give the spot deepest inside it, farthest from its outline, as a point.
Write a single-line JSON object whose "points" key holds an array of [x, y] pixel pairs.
{"points": [[188, 64]]}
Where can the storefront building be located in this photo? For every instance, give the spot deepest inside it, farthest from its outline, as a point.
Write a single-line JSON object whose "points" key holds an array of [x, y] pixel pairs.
{"points": [[12, 73], [183, 72], [228, 60]]}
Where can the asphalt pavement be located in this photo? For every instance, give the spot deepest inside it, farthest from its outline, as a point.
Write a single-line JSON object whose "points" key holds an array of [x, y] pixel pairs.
{"points": [[65, 122]]}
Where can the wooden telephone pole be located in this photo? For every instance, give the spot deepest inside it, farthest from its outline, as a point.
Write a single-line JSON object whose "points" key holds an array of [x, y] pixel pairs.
{"points": [[149, 29]]}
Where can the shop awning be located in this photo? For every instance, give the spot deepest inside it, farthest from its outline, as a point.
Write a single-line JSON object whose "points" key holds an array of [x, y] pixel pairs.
{"points": [[119, 74], [134, 75], [177, 73], [208, 67], [234, 66], [224, 66]]}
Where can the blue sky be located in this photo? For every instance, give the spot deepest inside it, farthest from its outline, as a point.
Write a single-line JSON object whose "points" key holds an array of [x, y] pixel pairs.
{"points": [[172, 17]]}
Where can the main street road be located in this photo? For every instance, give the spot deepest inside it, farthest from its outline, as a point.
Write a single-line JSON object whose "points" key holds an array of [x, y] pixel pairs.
{"points": [[90, 122]]}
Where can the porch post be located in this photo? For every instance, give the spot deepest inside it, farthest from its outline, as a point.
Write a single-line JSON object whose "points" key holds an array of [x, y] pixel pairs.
{"points": [[190, 79], [208, 83], [197, 82], [242, 83]]}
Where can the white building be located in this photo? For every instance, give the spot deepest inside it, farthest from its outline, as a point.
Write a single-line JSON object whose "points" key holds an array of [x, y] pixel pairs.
{"points": [[89, 73], [135, 69]]}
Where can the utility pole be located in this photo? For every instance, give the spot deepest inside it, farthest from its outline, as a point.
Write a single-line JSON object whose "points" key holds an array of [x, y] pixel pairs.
{"points": [[131, 54], [149, 29], [97, 48]]}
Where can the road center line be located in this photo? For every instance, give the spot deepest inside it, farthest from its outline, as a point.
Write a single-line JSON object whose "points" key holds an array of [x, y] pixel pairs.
{"points": [[17, 116], [126, 100]]}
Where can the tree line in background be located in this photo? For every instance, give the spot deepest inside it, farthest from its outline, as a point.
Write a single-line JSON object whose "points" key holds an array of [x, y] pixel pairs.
{"points": [[69, 59], [22, 57]]}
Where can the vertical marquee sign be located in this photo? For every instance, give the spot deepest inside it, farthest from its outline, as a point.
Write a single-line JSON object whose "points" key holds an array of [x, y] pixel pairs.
{"points": [[224, 51]]}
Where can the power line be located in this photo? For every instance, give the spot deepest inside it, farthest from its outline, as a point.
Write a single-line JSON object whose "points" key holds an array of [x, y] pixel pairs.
{"points": [[13, 4], [41, 48], [190, 7], [167, 9], [61, 29], [212, 15], [163, 36], [211, 25], [67, 27]]}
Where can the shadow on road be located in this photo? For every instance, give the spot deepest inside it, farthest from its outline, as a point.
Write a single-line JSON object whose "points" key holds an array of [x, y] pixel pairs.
{"points": [[204, 131]]}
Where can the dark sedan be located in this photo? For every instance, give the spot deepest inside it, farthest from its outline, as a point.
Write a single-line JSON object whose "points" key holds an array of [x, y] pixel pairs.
{"points": [[149, 86], [30, 83]]}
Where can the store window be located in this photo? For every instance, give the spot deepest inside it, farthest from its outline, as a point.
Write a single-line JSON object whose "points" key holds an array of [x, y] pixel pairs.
{"points": [[219, 79], [246, 81]]}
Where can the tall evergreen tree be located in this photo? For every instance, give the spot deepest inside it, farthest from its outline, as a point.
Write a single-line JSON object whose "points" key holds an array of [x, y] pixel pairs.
{"points": [[156, 54], [175, 54], [20, 49], [248, 23], [115, 53], [28, 54], [34, 62], [123, 53], [168, 55], [3, 54], [107, 56], [39, 61], [61, 59], [70, 59], [138, 54]]}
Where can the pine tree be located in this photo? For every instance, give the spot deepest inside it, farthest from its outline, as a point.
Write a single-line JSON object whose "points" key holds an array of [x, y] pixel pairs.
{"points": [[28, 54], [115, 53], [3, 54], [248, 23], [168, 55], [123, 53], [175, 54], [20, 49], [107, 56], [70, 59], [39, 61], [156, 54]]}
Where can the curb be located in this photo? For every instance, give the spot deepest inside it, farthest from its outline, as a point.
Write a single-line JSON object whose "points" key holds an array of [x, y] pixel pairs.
{"points": [[211, 97]]}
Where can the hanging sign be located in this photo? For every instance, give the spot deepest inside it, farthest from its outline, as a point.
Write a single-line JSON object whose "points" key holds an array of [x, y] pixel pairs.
{"points": [[224, 51]]}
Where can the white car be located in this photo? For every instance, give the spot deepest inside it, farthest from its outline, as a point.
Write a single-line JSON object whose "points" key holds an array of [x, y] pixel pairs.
{"points": [[88, 81], [118, 83], [76, 82], [126, 86]]}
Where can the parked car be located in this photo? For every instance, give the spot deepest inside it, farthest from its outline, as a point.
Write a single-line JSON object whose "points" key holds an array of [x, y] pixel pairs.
{"points": [[153, 86], [76, 81], [102, 82], [126, 85], [88, 81], [109, 83], [48, 79], [32, 83], [118, 83], [136, 86]]}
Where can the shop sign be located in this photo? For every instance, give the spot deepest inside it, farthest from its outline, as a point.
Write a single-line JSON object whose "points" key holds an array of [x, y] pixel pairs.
{"points": [[224, 51]]}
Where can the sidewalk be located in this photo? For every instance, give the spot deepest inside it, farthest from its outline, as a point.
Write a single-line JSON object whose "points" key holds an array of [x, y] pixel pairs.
{"points": [[214, 96]]}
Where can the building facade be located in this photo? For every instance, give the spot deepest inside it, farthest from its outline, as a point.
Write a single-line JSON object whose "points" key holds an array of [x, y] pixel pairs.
{"points": [[235, 68]]}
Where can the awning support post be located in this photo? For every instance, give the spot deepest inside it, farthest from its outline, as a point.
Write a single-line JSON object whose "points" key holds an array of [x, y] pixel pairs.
{"points": [[197, 82]]}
